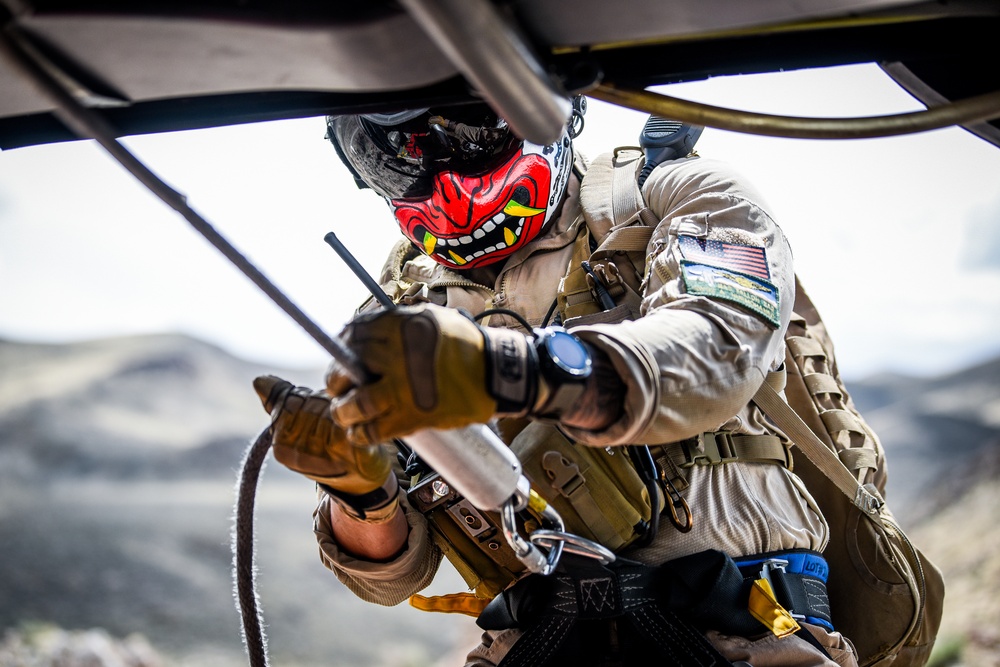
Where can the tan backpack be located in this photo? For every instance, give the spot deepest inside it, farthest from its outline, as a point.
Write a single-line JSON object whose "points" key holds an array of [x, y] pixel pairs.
{"points": [[885, 596]]}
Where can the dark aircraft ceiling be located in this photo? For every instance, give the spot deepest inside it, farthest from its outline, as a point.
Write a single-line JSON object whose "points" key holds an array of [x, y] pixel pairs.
{"points": [[170, 65]]}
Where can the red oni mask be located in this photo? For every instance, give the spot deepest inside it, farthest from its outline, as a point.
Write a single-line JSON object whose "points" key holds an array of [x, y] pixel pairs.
{"points": [[472, 221]]}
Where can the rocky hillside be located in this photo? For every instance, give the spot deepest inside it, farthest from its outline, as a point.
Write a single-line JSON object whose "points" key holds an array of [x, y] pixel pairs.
{"points": [[942, 438], [118, 460], [931, 428]]}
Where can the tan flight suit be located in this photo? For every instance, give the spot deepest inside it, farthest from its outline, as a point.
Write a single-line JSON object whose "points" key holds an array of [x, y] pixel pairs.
{"points": [[691, 364]]}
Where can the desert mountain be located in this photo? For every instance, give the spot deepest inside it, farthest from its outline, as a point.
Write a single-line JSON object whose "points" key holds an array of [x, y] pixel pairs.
{"points": [[932, 429], [118, 460]]}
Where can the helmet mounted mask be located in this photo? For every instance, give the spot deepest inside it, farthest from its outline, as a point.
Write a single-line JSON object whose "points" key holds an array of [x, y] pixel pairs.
{"points": [[468, 196]]}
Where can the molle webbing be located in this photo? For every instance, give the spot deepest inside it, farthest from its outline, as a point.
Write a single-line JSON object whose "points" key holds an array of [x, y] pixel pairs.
{"points": [[718, 448], [618, 262], [851, 439], [620, 225]]}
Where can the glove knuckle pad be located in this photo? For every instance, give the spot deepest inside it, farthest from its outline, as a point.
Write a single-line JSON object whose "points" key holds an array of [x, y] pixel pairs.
{"points": [[420, 340]]}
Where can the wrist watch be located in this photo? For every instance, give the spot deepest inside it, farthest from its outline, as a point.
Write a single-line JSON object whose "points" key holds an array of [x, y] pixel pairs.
{"points": [[564, 364]]}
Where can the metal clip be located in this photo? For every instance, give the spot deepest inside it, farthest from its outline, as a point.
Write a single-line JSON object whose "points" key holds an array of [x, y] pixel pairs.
{"points": [[868, 500], [777, 565], [527, 552], [677, 506], [770, 565]]}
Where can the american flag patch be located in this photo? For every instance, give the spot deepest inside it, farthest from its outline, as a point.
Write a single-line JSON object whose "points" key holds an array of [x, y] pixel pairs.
{"points": [[751, 260]]}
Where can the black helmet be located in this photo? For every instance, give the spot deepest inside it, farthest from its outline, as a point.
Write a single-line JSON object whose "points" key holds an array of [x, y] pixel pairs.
{"points": [[462, 186]]}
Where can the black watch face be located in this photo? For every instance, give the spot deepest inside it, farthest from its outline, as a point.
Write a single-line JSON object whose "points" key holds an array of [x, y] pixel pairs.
{"points": [[568, 353]]}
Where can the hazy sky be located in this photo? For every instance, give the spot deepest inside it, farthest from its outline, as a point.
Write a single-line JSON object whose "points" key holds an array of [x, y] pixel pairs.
{"points": [[897, 240]]}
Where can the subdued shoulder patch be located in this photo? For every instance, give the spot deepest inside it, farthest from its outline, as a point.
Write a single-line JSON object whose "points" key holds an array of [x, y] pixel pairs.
{"points": [[755, 294], [748, 259]]}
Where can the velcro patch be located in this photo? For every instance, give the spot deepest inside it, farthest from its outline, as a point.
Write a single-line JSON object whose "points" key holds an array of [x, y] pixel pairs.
{"points": [[756, 295], [748, 259]]}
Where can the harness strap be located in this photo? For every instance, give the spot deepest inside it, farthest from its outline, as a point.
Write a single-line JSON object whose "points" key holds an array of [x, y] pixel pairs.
{"points": [[722, 447], [718, 448], [799, 581], [626, 198], [866, 498], [625, 239], [668, 607], [582, 590]]}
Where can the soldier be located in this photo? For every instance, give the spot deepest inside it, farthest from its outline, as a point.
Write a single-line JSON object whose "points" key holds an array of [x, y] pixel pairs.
{"points": [[666, 341]]}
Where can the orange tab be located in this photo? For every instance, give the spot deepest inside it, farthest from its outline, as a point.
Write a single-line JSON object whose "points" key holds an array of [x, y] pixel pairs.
{"points": [[453, 603], [765, 608]]}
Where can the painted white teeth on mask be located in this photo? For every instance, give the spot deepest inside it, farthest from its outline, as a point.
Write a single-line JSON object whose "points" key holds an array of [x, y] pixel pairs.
{"points": [[489, 226], [478, 234], [465, 240]]}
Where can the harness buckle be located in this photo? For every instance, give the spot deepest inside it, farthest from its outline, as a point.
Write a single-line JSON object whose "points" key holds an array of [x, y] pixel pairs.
{"points": [[710, 449], [564, 475], [772, 567]]}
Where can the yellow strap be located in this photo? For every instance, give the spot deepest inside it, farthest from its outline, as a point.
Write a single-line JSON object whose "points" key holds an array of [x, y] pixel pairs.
{"points": [[765, 608], [453, 603]]}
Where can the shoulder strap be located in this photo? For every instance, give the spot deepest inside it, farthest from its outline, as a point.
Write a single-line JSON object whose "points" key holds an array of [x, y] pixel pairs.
{"points": [[865, 498], [610, 195], [626, 197]]}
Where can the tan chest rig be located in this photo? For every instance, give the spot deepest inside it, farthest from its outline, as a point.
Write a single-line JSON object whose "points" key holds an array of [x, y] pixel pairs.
{"points": [[884, 593], [597, 491], [877, 574]]}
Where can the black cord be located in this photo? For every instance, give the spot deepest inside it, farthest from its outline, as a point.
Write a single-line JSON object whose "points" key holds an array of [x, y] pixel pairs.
{"points": [[243, 551], [645, 465], [504, 311], [550, 312]]}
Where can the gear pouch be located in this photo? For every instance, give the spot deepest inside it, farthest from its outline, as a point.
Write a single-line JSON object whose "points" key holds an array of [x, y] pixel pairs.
{"points": [[596, 491]]}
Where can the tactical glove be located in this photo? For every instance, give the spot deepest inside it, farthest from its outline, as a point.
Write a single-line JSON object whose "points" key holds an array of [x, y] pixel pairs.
{"points": [[438, 120], [306, 440], [429, 371]]}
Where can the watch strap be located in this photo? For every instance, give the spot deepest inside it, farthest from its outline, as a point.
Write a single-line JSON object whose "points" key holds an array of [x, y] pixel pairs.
{"points": [[555, 400], [511, 370]]}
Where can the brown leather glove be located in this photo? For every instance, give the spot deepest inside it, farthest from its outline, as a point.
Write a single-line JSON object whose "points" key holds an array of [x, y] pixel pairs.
{"points": [[429, 369], [306, 440]]}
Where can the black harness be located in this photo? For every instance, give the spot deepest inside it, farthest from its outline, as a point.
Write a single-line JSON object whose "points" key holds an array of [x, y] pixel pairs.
{"points": [[625, 612]]}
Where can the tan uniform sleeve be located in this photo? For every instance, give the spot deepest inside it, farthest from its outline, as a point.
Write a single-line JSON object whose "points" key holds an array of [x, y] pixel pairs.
{"points": [[387, 583], [707, 336]]}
